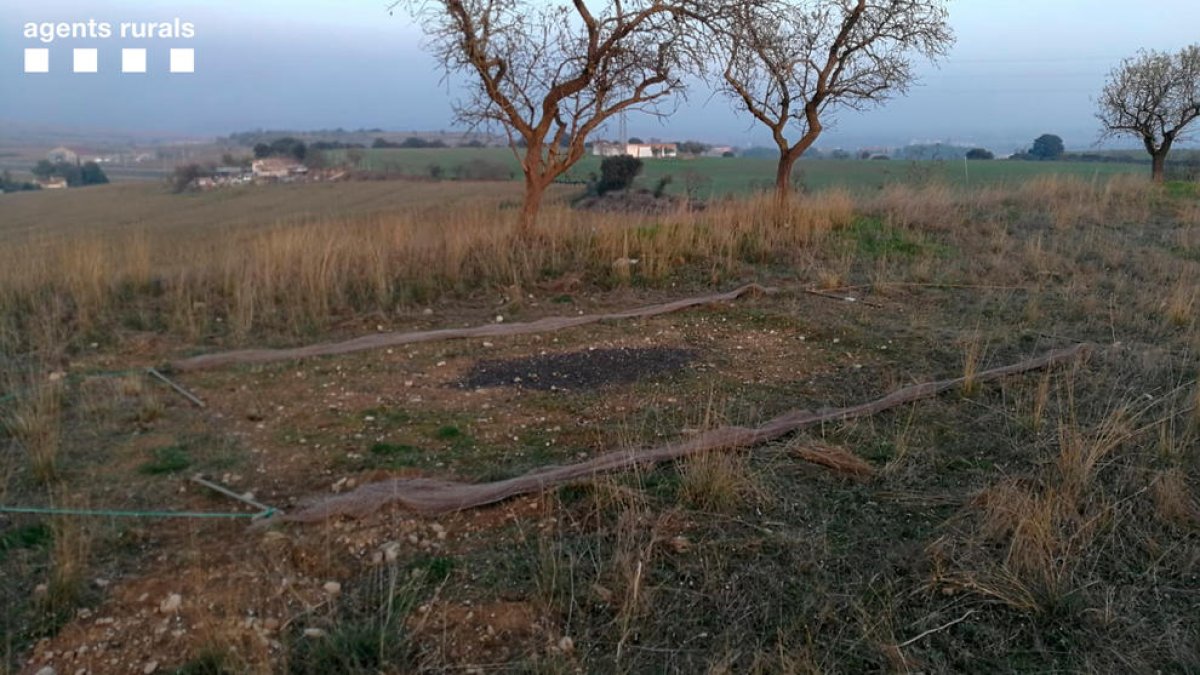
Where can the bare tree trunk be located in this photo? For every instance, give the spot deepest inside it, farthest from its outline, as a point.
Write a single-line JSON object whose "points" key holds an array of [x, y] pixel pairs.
{"points": [[1158, 166], [787, 161], [534, 190], [783, 179]]}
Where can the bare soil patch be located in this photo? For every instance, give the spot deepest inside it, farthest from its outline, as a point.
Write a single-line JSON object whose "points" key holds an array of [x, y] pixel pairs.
{"points": [[588, 369]]}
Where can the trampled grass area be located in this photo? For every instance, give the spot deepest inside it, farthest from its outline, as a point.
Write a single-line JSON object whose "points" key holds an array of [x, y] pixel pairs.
{"points": [[1047, 522]]}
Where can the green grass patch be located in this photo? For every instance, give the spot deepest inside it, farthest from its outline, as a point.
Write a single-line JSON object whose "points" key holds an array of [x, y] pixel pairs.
{"points": [[447, 432], [436, 569], [396, 454], [207, 662], [28, 536], [171, 459], [1182, 189], [872, 239], [717, 176], [358, 647], [392, 449]]}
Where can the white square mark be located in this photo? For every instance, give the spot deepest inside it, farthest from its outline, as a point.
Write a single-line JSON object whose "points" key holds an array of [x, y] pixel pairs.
{"points": [[133, 60], [86, 60], [37, 60], [183, 60]]}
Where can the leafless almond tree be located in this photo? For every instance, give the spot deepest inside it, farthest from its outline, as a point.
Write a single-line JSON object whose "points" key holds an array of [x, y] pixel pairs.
{"points": [[1153, 96], [550, 73], [792, 64]]}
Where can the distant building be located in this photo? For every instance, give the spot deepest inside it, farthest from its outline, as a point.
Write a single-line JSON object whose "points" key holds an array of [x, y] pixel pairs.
{"points": [[53, 183], [720, 150], [63, 154], [641, 150], [277, 168]]}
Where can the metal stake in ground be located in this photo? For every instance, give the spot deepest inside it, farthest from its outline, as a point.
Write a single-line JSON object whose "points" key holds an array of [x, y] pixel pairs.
{"points": [[180, 390], [265, 511]]}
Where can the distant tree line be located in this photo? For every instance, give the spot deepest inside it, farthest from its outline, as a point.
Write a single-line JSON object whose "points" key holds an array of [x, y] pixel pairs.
{"points": [[693, 147], [282, 147], [89, 173], [252, 138], [9, 184], [410, 142], [334, 145]]}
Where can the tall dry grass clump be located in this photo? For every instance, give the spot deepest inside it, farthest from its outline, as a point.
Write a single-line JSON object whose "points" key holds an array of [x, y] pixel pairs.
{"points": [[935, 206], [1068, 201], [33, 421], [1024, 541], [71, 549], [718, 481]]}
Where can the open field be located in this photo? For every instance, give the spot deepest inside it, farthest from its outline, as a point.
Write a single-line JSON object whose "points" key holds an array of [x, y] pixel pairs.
{"points": [[737, 175], [126, 208], [1045, 522], [108, 210]]}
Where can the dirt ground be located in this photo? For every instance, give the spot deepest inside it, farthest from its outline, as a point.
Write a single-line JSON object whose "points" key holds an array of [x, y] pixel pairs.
{"points": [[760, 562]]}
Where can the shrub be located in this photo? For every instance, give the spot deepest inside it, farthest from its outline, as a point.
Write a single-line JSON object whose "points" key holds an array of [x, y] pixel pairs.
{"points": [[660, 188], [184, 175], [617, 173]]}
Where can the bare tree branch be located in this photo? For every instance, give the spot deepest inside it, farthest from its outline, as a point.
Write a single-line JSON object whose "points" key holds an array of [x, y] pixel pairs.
{"points": [[793, 64], [550, 73]]}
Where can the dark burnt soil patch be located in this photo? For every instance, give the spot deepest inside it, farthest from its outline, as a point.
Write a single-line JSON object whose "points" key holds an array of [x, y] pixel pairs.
{"points": [[587, 369]]}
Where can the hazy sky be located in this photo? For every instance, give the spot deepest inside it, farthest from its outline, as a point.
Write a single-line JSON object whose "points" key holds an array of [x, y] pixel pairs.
{"points": [[1020, 68]]}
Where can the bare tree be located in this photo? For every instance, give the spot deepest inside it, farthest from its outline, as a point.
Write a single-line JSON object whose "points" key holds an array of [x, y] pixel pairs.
{"points": [[794, 63], [550, 73], [1153, 96]]}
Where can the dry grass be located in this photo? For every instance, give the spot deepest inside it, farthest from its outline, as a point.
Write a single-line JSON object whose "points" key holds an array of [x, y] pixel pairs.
{"points": [[1050, 525], [1174, 499], [718, 481], [33, 422], [1070, 201], [684, 568], [297, 276], [935, 207], [972, 357], [1180, 303], [839, 459], [71, 549]]}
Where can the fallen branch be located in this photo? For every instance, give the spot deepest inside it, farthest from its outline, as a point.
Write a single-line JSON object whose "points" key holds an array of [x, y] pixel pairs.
{"points": [[436, 497], [835, 458], [548, 324]]}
